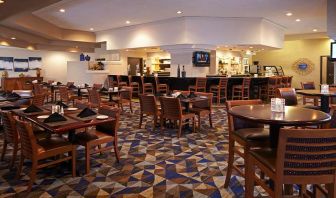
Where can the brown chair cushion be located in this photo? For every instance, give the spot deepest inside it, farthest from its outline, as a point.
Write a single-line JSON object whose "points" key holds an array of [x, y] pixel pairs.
{"points": [[266, 156], [253, 134], [51, 144]]}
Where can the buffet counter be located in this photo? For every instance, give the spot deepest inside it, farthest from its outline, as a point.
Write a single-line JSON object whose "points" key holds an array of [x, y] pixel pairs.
{"points": [[175, 83]]}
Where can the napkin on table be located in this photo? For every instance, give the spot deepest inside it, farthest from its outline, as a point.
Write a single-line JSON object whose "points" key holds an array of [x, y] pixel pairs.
{"points": [[55, 117], [86, 113], [60, 103], [32, 109]]}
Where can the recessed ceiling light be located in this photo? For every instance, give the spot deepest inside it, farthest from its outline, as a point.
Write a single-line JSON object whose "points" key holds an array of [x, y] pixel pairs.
{"points": [[289, 14], [332, 40], [128, 22], [2, 1], [91, 29], [13, 38], [251, 47], [314, 30], [179, 12], [62, 10], [298, 20]]}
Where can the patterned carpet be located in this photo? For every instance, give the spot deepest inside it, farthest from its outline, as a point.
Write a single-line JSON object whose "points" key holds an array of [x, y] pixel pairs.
{"points": [[153, 164]]}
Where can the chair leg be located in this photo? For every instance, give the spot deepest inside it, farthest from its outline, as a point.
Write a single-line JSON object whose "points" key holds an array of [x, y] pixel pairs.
{"points": [[199, 122], [140, 123], [249, 177], [15, 150], [4, 149], [130, 105], [32, 175], [116, 150], [154, 122], [230, 163], [194, 124], [99, 147], [218, 97], [210, 120], [180, 129], [19, 170], [73, 161], [87, 158]]}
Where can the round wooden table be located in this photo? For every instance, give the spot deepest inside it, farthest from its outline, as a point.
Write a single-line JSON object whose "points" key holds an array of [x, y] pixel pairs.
{"points": [[293, 116], [324, 97]]}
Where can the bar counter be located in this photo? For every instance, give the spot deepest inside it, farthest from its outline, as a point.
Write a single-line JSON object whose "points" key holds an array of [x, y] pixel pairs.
{"points": [[175, 83]]}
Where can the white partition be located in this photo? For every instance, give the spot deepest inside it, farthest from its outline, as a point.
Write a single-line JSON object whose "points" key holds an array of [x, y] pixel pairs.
{"points": [[78, 72]]}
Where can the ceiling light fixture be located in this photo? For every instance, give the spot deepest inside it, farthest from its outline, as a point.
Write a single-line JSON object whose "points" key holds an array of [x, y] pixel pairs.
{"points": [[289, 14], [332, 40], [314, 30], [251, 47], [128, 22], [62, 10], [298, 20], [2, 1], [91, 29], [179, 12], [13, 38]]}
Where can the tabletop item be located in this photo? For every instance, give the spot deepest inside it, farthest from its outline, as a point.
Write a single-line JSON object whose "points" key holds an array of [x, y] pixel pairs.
{"points": [[102, 117], [32, 109], [42, 116], [324, 88], [278, 104], [86, 113], [13, 95], [10, 107], [103, 89], [72, 109], [55, 117]]}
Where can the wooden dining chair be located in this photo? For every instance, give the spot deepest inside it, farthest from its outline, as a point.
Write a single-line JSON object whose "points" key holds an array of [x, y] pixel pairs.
{"points": [[97, 86], [80, 104], [36, 151], [160, 87], [289, 94], [242, 92], [200, 85], [146, 87], [125, 97], [309, 99], [171, 109], [66, 96], [38, 89], [120, 83], [149, 107], [268, 91], [303, 156], [220, 91], [106, 133], [95, 100], [246, 133], [203, 107], [69, 84], [38, 99], [135, 86]]}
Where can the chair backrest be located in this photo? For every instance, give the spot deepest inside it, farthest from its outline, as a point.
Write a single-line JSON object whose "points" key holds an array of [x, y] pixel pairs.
{"points": [[27, 138], [126, 93], [97, 86], [223, 83], [38, 100], [94, 96], [19, 85], [235, 123], [64, 93], [289, 82], [201, 82], [307, 85], [81, 104], [9, 128], [306, 156], [206, 104], [38, 88], [110, 128], [246, 82], [186, 93], [288, 94], [70, 84], [171, 107], [148, 104]]}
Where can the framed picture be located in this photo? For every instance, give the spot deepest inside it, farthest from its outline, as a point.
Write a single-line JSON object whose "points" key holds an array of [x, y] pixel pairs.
{"points": [[35, 63], [115, 57], [6, 63], [21, 65]]}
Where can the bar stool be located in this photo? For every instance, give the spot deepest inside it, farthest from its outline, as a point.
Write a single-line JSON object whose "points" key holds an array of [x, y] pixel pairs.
{"points": [[135, 86], [120, 83], [284, 81], [242, 92], [146, 87], [220, 90], [160, 88], [200, 85]]}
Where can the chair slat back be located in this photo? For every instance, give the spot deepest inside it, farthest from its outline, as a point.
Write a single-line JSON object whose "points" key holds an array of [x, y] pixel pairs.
{"points": [[235, 123], [38, 99], [223, 83], [201, 82], [148, 104], [64, 93], [171, 107], [246, 82], [112, 127], [307, 85], [204, 103], [126, 93], [9, 128], [288, 94], [306, 153], [94, 96], [27, 138], [38, 88]]}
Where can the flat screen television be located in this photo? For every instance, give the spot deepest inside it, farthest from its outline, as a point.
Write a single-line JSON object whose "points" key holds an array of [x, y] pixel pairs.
{"points": [[333, 51], [201, 59]]}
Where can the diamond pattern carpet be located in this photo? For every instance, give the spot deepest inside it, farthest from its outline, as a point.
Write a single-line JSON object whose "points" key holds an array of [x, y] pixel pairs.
{"points": [[153, 164]]}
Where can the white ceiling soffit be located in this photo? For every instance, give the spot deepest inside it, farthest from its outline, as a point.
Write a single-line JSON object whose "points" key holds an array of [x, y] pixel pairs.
{"points": [[108, 14], [332, 19]]}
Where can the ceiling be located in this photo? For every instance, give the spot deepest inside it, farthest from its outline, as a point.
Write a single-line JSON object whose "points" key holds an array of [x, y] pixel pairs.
{"points": [[108, 14]]}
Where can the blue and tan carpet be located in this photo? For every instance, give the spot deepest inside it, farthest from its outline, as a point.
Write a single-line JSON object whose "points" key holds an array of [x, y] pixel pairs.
{"points": [[153, 164]]}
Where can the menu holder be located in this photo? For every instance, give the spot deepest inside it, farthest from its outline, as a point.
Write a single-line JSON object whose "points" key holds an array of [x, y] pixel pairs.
{"points": [[324, 88], [278, 105], [55, 117]]}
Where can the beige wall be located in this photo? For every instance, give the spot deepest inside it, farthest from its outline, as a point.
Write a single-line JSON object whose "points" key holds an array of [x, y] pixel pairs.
{"points": [[293, 50]]}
